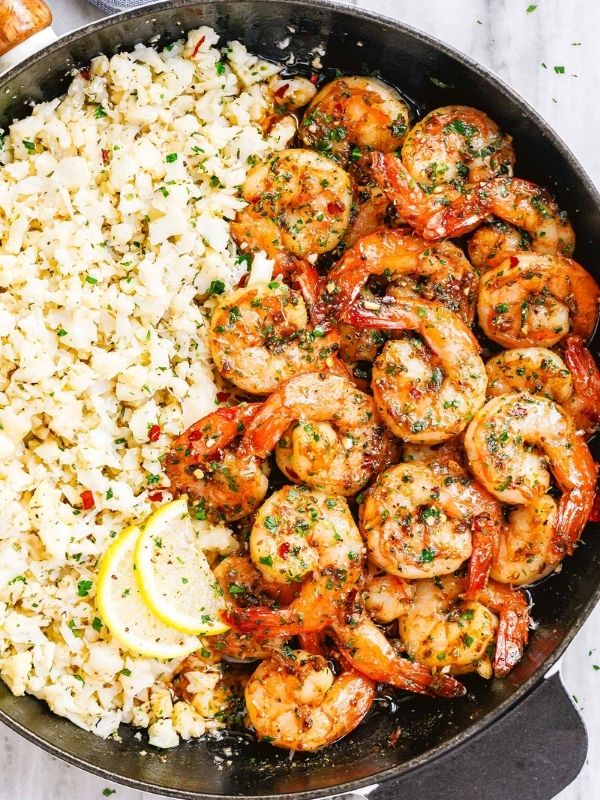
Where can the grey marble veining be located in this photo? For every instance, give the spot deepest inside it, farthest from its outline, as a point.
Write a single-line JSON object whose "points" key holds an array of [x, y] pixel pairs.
{"points": [[514, 44]]}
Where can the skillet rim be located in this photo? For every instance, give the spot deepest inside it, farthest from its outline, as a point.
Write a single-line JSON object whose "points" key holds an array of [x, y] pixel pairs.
{"points": [[543, 670]]}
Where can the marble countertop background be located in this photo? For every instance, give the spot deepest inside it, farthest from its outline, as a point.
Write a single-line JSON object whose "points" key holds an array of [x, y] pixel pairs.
{"points": [[522, 42]]}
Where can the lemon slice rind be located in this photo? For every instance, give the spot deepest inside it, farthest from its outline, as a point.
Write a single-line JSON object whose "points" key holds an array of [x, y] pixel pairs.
{"points": [[174, 577], [124, 612]]}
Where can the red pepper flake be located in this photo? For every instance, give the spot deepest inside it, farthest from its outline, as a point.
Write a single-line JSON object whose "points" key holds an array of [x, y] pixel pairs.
{"points": [[334, 208], [105, 157], [242, 281], [284, 549], [514, 261], [85, 74], [154, 433], [87, 500], [314, 78], [282, 90], [155, 497], [201, 41], [222, 397], [195, 436]]}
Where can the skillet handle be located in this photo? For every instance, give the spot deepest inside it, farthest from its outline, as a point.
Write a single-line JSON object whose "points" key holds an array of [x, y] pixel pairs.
{"points": [[25, 27], [533, 752]]}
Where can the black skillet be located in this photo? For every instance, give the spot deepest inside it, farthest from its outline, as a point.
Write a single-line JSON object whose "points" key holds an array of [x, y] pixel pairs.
{"points": [[519, 737]]}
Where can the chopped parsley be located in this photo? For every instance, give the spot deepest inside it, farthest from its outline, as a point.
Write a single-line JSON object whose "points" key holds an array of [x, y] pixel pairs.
{"points": [[83, 588]]}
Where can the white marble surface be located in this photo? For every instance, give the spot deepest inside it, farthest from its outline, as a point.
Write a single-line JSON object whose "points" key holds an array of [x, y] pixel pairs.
{"points": [[514, 43]]}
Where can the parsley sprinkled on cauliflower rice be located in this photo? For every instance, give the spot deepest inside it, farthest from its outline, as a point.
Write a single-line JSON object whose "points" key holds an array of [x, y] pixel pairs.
{"points": [[115, 204]]}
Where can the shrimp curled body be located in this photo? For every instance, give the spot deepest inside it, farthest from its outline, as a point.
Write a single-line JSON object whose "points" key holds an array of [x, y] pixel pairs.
{"points": [[259, 337], [537, 300], [296, 702], [327, 433], [426, 391], [303, 537], [509, 444]]}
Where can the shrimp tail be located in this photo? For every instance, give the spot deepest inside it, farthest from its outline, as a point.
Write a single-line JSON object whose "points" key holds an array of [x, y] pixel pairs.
{"points": [[395, 181], [576, 504], [266, 428], [513, 632], [389, 316], [460, 217], [306, 278], [485, 542], [417, 678], [512, 607], [586, 376]]}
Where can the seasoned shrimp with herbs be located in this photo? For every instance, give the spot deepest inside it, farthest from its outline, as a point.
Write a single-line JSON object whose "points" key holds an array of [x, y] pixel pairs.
{"points": [[367, 650], [302, 537], [295, 700], [516, 442], [440, 628], [448, 153], [426, 386], [204, 464], [419, 520], [299, 204], [533, 219], [537, 300], [573, 383], [353, 115], [260, 336], [413, 268], [325, 433]]}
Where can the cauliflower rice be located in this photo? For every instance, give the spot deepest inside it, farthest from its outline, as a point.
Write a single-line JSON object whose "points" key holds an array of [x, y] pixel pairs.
{"points": [[115, 204]]}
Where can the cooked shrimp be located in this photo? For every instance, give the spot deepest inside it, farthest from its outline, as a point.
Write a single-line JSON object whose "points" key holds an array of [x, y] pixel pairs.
{"points": [[491, 243], [243, 585], [456, 146], [302, 536], [419, 520], [584, 403], [433, 216], [327, 433], [295, 701], [304, 200], [352, 114], [372, 210], [384, 596], [515, 201], [523, 554], [204, 464], [536, 370], [532, 209], [445, 155], [515, 441], [259, 337], [441, 629], [366, 648], [415, 268], [426, 390], [540, 371], [537, 300]]}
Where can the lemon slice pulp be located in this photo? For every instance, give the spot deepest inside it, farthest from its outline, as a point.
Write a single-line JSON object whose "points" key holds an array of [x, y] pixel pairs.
{"points": [[124, 611], [173, 575]]}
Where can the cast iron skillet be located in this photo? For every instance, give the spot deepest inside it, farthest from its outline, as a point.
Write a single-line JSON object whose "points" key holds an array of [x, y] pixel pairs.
{"points": [[359, 42]]}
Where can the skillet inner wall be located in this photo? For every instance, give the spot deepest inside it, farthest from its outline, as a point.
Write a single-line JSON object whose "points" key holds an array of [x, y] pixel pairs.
{"points": [[408, 62]]}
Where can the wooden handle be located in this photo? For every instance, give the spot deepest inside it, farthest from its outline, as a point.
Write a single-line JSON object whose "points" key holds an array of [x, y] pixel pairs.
{"points": [[20, 19]]}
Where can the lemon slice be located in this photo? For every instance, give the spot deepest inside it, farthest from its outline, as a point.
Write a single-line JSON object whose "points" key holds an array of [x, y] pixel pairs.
{"points": [[124, 612], [173, 574]]}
